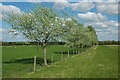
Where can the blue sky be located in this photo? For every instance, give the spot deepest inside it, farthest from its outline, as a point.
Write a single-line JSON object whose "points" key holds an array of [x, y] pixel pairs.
{"points": [[102, 16]]}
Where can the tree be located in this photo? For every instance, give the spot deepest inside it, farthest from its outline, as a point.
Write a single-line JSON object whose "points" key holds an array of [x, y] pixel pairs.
{"points": [[78, 35], [93, 35], [41, 25]]}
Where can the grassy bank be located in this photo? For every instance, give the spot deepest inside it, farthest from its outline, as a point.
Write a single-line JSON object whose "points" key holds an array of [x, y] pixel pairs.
{"points": [[100, 62]]}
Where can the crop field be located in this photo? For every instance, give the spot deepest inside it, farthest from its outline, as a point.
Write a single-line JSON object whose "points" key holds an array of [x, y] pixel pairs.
{"points": [[96, 62]]}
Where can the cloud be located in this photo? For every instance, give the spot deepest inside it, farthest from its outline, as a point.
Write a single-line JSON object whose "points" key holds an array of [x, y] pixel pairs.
{"points": [[106, 0], [9, 9], [103, 6], [79, 6], [5, 35], [107, 30], [103, 34], [104, 25], [107, 7], [33, 1], [107, 36], [82, 6], [61, 5], [111, 23], [0, 12], [103, 30], [92, 17], [62, 0], [97, 20]]}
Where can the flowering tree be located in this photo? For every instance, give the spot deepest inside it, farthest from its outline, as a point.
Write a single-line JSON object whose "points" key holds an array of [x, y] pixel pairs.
{"points": [[41, 25], [93, 36], [79, 35]]}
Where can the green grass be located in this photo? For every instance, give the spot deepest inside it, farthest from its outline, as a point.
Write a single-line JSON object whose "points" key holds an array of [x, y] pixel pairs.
{"points": [[94, 63], [18, 60]]}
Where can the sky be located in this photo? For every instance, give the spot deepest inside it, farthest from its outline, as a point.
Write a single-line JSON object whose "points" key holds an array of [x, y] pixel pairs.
{"points": [[102, 15]]}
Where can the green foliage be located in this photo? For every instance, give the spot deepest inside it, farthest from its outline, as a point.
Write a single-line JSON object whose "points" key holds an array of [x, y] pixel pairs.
{"points": [[79, 35], [94, 37], [41, 25], [45, 25]]}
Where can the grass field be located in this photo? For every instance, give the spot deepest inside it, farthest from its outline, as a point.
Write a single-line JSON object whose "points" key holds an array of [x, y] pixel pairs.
{"points": [[100, 62], [18, 60]]}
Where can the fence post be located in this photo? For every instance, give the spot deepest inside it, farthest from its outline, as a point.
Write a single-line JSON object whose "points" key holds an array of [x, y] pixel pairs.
{"points": [[76, 52], [73, 52], [52, 59], [34, 63], [61, 56], [68, 53]]}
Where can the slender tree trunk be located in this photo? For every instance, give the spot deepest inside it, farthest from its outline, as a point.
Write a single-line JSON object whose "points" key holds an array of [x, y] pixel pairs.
{"points": [[45, 60]]}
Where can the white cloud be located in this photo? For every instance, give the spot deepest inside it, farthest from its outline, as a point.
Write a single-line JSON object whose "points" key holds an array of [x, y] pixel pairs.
{"points": [[79, 6], [107, 36], [110, 33], [61, 5], [5, 35], [82, 6], [54, 0], [103, 30], [9, 9], [106, 0], [62, 0], [103, 25], [97, 20], [33, 1], [111, 23], [107, 30], [0, 12], [108, 7], [90, 16]]}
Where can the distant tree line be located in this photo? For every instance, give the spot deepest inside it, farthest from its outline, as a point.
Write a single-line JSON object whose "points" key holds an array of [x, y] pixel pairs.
{"points": [[56, 43], [109, 42], [29, 43]]}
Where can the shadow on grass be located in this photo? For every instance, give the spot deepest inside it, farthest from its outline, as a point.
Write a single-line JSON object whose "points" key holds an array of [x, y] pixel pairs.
{"points": [[39, 61]]}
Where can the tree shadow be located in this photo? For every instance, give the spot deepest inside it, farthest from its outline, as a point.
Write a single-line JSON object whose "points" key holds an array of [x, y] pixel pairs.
{"points": [[66, 52], [39, 61]]}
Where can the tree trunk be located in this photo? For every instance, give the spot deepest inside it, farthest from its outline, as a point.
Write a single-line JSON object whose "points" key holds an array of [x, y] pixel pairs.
{"points": [[45, 60]]}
